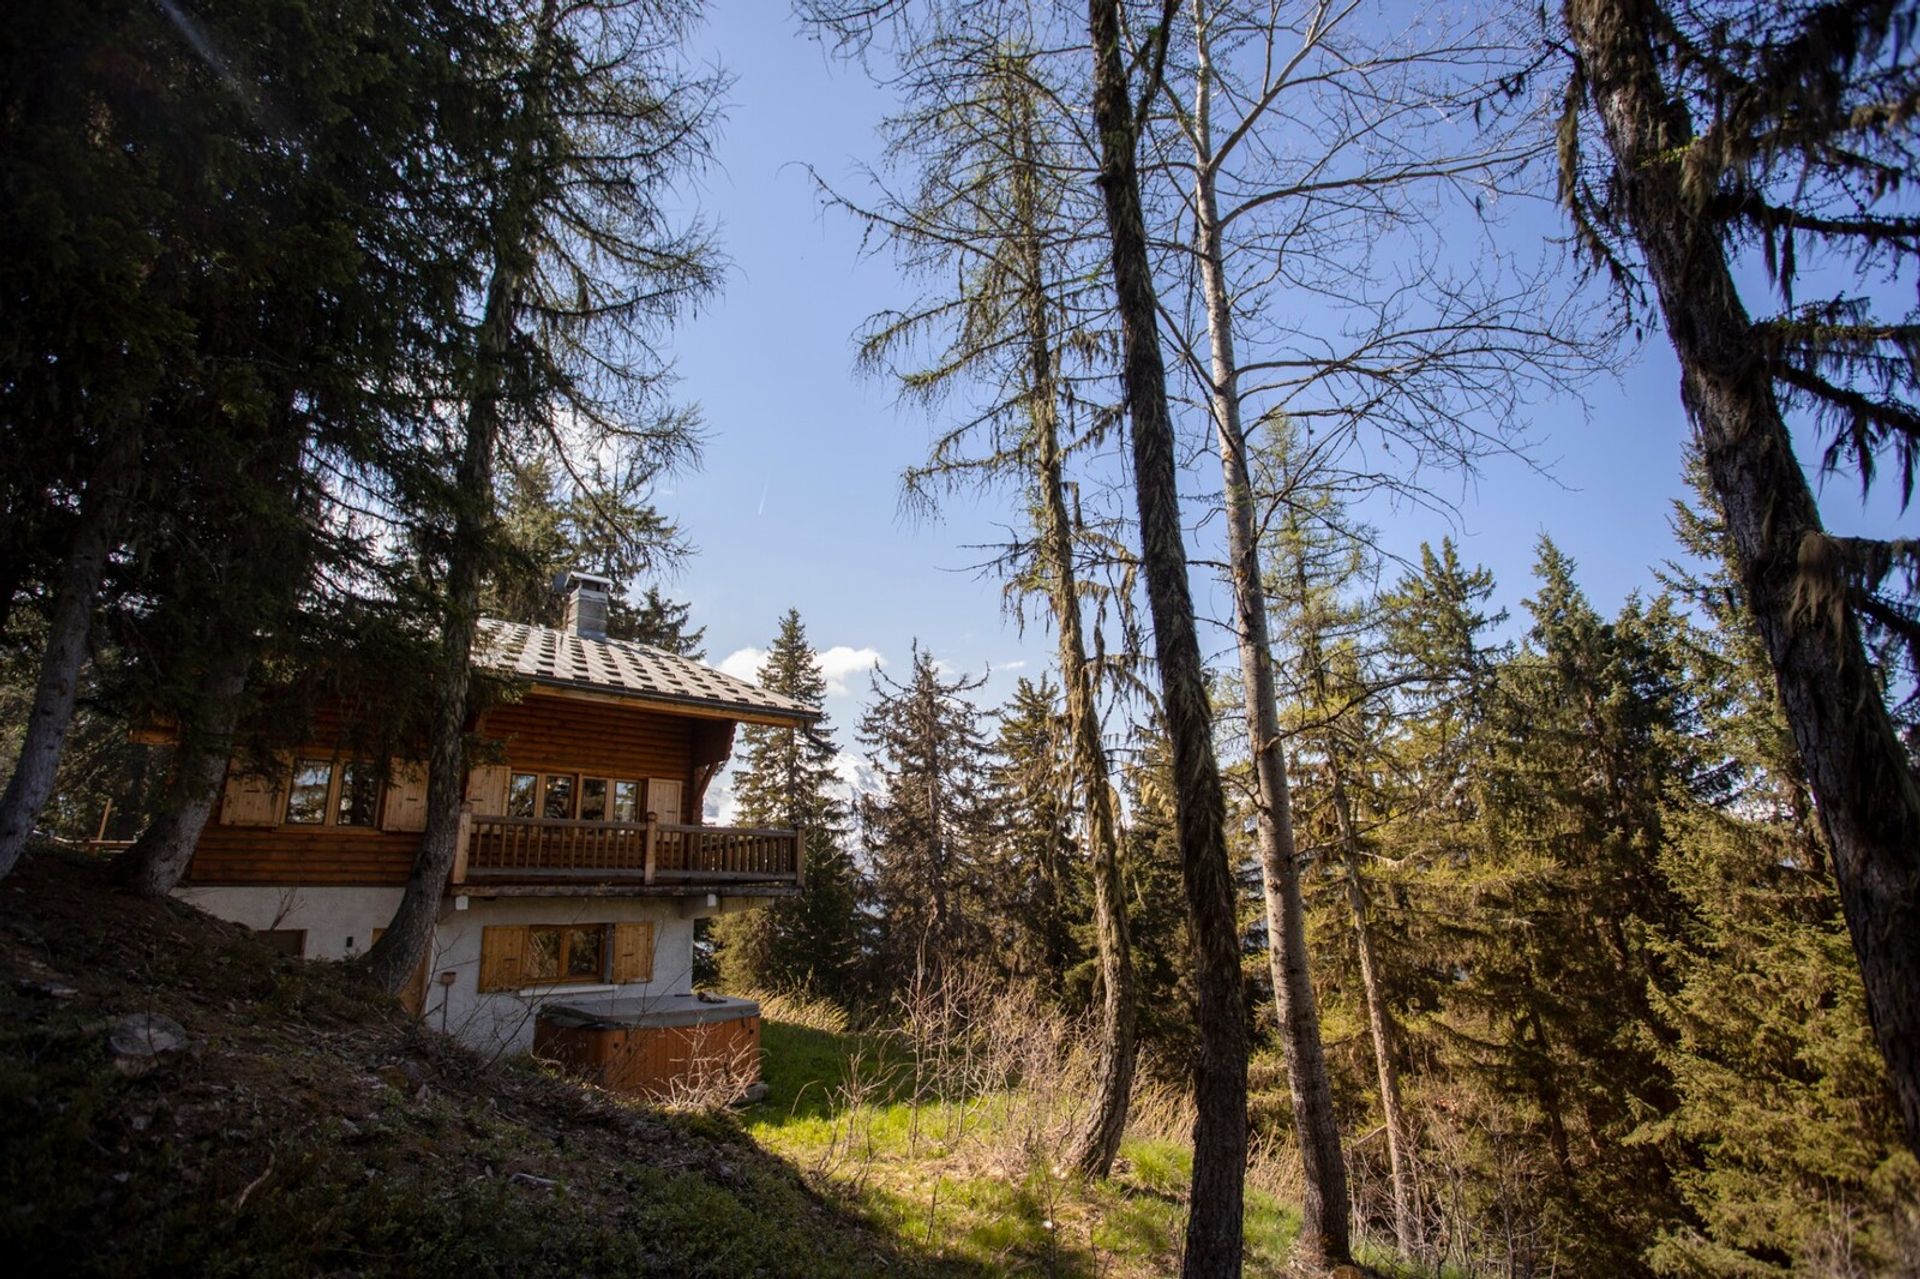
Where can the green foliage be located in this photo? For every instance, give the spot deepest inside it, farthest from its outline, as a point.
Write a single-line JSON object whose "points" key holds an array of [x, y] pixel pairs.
{"points": [[928, 828], [810, 943], [1041, 907]]}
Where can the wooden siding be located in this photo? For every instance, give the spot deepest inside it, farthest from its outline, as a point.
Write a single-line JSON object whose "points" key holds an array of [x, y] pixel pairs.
{"points": [[543, 733], [655, 1062]]}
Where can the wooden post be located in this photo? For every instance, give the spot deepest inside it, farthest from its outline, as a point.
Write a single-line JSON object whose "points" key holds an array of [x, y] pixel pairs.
{"points": [[463, 835], [652, 854], [799, 859]]}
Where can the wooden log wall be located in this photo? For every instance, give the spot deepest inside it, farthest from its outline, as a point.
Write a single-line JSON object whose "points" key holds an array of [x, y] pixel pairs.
{"points": [[544, 733]]}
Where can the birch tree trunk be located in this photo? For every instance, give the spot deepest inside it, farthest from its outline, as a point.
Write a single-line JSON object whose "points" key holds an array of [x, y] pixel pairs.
{"points": [[1215, 1221], [1862, 783], [68, 625], [1325, 1212]]}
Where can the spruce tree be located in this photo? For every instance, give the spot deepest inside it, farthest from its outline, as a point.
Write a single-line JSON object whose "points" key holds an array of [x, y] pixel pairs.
{"points": [[927, 828], [1042, 890], [1780, 1111], [1717, 128], [786, 779]]}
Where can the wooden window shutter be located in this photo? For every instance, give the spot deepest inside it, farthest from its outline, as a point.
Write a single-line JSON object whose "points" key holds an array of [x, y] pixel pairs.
{"points": [[249, 799], [664, 799], [406, 806], [503, 952], [632, 952], [487, 789]]}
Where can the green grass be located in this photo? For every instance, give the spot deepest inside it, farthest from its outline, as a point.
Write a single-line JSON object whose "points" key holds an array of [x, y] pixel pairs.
{"points": [[944, 1179]]}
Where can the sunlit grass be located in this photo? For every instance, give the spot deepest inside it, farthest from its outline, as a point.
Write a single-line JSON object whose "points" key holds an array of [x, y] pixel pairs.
{"points": [[947, 1176]]}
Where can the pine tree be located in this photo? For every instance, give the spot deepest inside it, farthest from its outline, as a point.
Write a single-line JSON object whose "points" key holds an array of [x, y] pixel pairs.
{"points": [[583, 270], [1779, 1104], [1041, 886], [1787, 126], [1318, 560], [786, 779], [925, 831], [1557, 901]]}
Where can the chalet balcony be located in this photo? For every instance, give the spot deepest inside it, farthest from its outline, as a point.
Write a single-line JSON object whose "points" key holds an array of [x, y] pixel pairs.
{"points": [[648, 857]]}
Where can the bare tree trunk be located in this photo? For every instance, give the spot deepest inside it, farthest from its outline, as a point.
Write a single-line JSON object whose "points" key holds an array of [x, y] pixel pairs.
{"points": [[154, 865], [1215, 1222], [1097, 1146], [1099, 1143], [1325, 1214], [1867, 797], [67, 628], [1406, 1191]]}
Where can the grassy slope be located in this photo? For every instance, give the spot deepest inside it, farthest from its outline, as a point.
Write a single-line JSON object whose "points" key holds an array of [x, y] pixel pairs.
{"points": [[312, 1129], [968, 1180]]}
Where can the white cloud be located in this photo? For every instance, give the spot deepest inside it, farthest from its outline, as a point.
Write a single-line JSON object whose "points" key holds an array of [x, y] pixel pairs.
{"points": [[841, 662], [744, 663], [1017, 665], [838, 664]]}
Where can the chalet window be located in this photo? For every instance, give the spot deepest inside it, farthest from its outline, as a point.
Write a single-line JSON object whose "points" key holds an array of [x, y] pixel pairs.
{"points": [[307, 797], [565, 953], [557, 803], [522, 789], [626, 801], [593, 799], [359, 794], [333, 792], [517, 955]]}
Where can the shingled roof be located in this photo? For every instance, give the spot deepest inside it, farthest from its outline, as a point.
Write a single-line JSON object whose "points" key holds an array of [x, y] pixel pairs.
{"points": [[622, 668]]}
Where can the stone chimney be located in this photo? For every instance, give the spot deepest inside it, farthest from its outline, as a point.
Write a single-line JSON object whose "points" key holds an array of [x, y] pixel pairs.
{"points": [[587, 605]]}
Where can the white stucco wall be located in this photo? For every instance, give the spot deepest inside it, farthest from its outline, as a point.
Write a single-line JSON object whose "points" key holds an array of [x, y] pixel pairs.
{"points": [[339, 923], [503, 1022]]}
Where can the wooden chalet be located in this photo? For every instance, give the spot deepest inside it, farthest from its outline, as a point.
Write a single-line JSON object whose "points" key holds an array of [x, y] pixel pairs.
{"points": [[583, 858]]}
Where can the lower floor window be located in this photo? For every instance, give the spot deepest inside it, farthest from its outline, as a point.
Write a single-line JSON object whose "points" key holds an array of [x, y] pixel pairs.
{"points": [[565, 953], [517, 955]]}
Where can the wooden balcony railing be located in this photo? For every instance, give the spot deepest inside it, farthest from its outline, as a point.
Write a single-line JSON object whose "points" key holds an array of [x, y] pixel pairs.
{"points": [[650, 852]]}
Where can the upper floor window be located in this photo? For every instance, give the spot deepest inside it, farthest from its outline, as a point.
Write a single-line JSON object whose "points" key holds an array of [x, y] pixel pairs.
{"points": [[557, 802], [333, 792], [359, 794], [523, 790]]}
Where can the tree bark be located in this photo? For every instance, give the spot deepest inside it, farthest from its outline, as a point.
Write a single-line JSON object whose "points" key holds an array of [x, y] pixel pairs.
{"points": [[1380, 1022], [1865, 791], [1325, 1212], [398, 954], [1214, 1242], [1099, 1143], [68, 626], [154, 865]]}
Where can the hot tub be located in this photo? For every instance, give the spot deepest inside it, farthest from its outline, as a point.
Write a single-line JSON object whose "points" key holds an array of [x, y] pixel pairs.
{"points": [[658, 1046]]}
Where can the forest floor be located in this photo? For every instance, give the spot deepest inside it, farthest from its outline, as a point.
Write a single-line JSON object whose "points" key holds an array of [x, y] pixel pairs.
{"points": [[973, 1178], [308, 1127]]}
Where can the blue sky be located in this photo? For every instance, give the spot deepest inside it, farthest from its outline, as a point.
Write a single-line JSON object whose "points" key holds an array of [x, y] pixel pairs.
{"points": [[797, 503]]}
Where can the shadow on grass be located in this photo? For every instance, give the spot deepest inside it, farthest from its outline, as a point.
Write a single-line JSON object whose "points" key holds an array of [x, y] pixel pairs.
{"points": [[310, 1128]]}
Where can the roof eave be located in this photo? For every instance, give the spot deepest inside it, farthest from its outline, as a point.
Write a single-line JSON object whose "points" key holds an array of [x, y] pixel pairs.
{"points": [[772, 716]]}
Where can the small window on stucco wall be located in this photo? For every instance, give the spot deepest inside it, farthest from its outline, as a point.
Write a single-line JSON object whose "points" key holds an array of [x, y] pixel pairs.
{"points": [[517, 955]]}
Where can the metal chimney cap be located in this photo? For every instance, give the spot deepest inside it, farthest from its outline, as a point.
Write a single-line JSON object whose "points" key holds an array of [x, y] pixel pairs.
{"points": [[577, 580]]}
